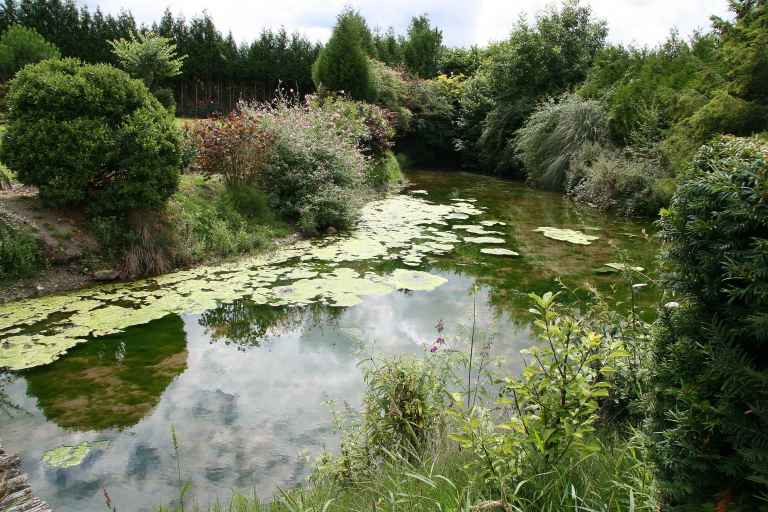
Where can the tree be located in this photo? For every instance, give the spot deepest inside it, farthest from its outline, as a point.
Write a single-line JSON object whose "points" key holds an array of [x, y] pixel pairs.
{"points": [[149, 57], [421, 50], [710, 410], [343, 64], [389, 49], [20, 46], [536, 62]]}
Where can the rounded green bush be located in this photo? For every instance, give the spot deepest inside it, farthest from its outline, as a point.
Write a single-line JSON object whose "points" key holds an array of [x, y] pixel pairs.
{"points": [[90, 135]]}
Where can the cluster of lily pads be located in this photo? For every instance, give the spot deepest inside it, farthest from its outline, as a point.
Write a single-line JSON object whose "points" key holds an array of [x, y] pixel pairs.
{"points": [[404, 229], [401, 228]]}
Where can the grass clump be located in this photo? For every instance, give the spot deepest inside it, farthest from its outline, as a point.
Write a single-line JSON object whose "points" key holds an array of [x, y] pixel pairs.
{"points": [[20, 252]]}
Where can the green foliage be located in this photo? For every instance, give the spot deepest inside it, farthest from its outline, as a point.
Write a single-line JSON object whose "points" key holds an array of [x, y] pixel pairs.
{"points": [[149, 57], [392, 93], [709, 413], [744, 44], [7, 178], [343, 64], [20, 46], [460, 61], [204, 220], [20, 254], [722, 114], [389, 48], [403, 413], [422, 47], [555, 134], [609, 179], [537, 61], [553, 405], [384, 171], [434, 106], [210, 220], [129, 158]]}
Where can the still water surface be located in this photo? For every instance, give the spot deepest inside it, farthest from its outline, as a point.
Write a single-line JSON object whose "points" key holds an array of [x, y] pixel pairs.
{"points": [[244, 384]]}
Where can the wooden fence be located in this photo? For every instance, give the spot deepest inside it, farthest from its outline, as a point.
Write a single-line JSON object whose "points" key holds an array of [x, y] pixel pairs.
{"points": [[202, 99]]}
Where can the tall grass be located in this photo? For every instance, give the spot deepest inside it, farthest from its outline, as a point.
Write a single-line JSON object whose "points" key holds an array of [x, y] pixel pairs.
{"points": [[555, 134]]}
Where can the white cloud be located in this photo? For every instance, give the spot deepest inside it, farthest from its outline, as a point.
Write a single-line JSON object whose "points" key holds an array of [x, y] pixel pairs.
{"points": [[643, 22]]}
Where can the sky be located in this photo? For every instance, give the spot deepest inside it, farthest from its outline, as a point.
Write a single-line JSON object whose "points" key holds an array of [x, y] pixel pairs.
{"points": [[464, 22]]}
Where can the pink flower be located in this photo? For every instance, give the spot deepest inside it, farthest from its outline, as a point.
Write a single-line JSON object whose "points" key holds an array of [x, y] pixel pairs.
{"points": [[433, 349], [440, 341]]}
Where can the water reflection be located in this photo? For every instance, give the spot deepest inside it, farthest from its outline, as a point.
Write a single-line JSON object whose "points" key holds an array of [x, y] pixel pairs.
{"points": [[244, 384], [113, 382]]}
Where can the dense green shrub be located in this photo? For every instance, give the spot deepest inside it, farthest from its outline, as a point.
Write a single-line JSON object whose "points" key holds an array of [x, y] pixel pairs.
{"points": [[149, 57], [434, 105], [609, 179], [343, 64], [6, 178], [722, 114], [20, 254], [403, 416], [709, 414], [20, 46], [555, 134], [391, 93], [90, 135], [384, 171]]}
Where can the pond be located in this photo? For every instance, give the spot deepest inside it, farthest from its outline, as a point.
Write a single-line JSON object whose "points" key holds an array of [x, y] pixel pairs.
{"points": [[240, 359]]}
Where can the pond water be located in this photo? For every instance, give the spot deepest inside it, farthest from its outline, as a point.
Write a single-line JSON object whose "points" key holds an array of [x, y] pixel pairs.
{"points": [[238, 359]]}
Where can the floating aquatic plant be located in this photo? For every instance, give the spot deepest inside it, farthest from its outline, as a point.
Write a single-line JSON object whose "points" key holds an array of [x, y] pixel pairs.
{"points": [[499, 252], [401, 228], [70, 456], [567, 235]]}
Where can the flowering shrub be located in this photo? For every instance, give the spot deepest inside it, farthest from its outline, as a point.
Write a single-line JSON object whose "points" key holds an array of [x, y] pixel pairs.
{"points": [[371, 126], [314, 171], [234, 147]]}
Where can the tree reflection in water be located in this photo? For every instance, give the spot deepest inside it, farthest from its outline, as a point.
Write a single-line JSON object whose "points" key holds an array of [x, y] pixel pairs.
{"points": [[247, 325]]}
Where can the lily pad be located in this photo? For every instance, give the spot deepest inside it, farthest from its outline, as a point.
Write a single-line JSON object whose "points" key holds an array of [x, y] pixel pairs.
{"points": [[620, 267], [567, 235], [484, 240], [70, 456], [415, 280], [499, 252], [490, 223], [419, 192]]}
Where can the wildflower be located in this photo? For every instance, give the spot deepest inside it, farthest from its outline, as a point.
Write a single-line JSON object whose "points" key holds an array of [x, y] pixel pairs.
{"points": [[440, 341], [433, 349]]}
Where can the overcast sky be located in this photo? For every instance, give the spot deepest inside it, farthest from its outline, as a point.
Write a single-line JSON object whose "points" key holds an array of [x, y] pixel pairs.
{"points": [[464, 22]]}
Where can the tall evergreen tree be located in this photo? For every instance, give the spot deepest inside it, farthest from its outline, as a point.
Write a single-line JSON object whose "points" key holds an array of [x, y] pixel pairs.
{"points": [[343, 64], [421, 50]]}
